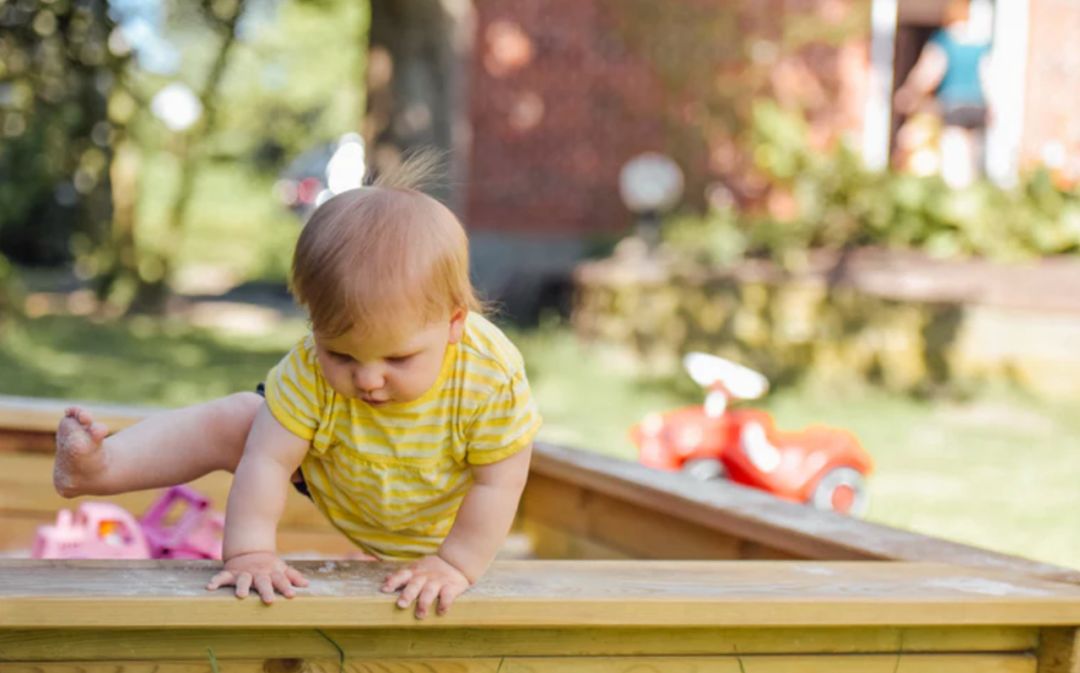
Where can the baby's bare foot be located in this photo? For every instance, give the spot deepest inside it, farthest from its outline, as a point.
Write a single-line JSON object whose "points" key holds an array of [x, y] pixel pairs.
{"points": [[79, 456]]}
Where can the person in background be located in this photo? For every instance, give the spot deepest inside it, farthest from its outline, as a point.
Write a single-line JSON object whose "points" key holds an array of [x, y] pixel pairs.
{"points": [[954, 67]]}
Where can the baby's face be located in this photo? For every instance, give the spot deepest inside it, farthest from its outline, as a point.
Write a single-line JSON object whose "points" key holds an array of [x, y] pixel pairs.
{"points": [[379, 371]]}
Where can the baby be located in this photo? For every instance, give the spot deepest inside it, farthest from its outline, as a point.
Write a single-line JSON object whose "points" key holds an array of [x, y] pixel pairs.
{"points": [[404, 415]]}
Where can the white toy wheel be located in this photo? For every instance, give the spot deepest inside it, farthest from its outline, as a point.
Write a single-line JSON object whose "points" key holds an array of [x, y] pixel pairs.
{"points": [[705, 469], [842, 490]]}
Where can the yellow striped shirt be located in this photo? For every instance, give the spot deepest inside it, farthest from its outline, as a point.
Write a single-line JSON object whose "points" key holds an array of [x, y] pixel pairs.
{"points": [[392, 478]]}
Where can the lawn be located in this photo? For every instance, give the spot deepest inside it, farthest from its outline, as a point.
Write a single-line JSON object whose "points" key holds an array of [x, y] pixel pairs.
{"points": [[999, 471]]}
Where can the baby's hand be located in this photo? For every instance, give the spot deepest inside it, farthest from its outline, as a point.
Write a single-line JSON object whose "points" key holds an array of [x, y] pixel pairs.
{"points": [[264, 570], [424, 581]]}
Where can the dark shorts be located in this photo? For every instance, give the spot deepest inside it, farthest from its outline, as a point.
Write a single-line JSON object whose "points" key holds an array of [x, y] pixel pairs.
{"points": [[964, 116], [298, 477]]}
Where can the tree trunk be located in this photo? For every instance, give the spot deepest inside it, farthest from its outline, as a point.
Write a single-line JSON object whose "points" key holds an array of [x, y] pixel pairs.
{"points": [[416, 84]]}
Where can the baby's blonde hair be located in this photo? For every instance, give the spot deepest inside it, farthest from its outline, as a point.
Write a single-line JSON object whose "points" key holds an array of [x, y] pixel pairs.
{"points": [[383, 258]]}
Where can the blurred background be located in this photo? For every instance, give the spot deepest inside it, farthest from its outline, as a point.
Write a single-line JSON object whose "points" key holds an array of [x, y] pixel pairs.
{"points": [[874, 203]]}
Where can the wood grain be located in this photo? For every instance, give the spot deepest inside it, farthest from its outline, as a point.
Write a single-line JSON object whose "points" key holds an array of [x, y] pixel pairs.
{"points": [[957, 663], [757, 518], [58, 594], [1059, 651], [440, 641]]}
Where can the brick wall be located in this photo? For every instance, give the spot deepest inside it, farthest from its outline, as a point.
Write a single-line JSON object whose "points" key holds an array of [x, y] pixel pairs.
{"points": [[560, 98], [557, 108]]}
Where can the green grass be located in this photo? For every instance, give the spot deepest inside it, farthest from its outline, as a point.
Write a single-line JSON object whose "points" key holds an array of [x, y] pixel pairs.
{"points": [[999, 471], [141, 360]]}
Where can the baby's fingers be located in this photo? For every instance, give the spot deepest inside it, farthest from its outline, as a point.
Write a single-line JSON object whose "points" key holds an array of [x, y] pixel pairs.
{"points": [[411, 591], [397, 580], [427, 596], [446, 597], [222, 579], [283, 586], [243, 585], [295, 576], [265, 586]]}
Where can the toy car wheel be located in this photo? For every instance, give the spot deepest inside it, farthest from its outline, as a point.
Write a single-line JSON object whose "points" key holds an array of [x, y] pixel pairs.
{"points": [[705, 469], [842, 490]]}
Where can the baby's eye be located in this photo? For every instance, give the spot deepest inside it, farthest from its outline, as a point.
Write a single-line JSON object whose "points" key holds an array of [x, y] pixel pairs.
{"points": [[340, 356], [399, 359]]}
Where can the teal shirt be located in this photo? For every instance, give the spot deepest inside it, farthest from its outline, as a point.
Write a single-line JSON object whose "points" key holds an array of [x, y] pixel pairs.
{"points": [[960, 85]]}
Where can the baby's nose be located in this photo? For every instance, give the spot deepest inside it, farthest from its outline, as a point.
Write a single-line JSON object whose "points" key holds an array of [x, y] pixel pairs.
{"points": [[368, 379]]}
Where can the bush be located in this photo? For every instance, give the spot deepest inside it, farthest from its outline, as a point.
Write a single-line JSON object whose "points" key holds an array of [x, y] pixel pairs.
{"points": [[835, 202], [10, 291]]}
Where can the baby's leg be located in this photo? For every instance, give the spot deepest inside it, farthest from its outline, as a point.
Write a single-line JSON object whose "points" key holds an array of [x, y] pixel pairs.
{"points": [[169, 448]]}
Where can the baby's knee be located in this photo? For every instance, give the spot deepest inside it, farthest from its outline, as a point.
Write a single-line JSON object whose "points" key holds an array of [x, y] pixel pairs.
{"points": [[242, 407], [229, 422], [233, 415]]}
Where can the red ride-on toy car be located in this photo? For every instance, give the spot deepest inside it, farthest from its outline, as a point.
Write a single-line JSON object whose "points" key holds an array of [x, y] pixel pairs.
{"points": [[820, 466]]}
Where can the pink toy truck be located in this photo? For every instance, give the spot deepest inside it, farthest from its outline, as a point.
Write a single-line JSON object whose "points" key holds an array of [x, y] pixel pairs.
{"points": [[98, 530], [195, 534], [101, 530]]}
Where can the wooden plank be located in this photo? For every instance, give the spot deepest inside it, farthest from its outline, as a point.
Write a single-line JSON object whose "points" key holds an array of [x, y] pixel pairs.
{"points": [[957, 663], [570, 522], [26, 486], [550, 542], [758, 518], [1059, 651], [32, 414], [58, 594], [438, 641], [30, 441], [249, 665], [628, 529], [624, 665], [748, 664]]}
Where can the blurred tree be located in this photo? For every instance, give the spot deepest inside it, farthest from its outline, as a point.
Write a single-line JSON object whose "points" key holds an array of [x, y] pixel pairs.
{"points": [[414, 79], [79, 87], [10, 300], [55, 70], [155, 270], [265, 92]]}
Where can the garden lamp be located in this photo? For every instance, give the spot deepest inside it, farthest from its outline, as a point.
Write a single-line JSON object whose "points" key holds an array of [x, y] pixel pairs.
{"points": [[650, 184]]}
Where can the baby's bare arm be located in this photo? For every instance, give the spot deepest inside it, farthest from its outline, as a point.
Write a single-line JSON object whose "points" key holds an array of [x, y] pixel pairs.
{"points": [[486, 514], [257, 497], [256, 502], [482, 522]]}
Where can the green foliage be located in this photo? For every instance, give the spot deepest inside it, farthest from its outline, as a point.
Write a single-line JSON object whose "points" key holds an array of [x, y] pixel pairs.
{"points": [[282, 93], [838, 204], [54, 155], [10, 291], [139, 360]]}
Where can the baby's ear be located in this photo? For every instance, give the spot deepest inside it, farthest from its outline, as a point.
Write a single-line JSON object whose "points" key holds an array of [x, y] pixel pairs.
{"points": [[457, 325]]}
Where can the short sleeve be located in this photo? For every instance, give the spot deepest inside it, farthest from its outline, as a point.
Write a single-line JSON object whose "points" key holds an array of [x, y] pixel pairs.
{"points": [[505, 425], [296, 392]]}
